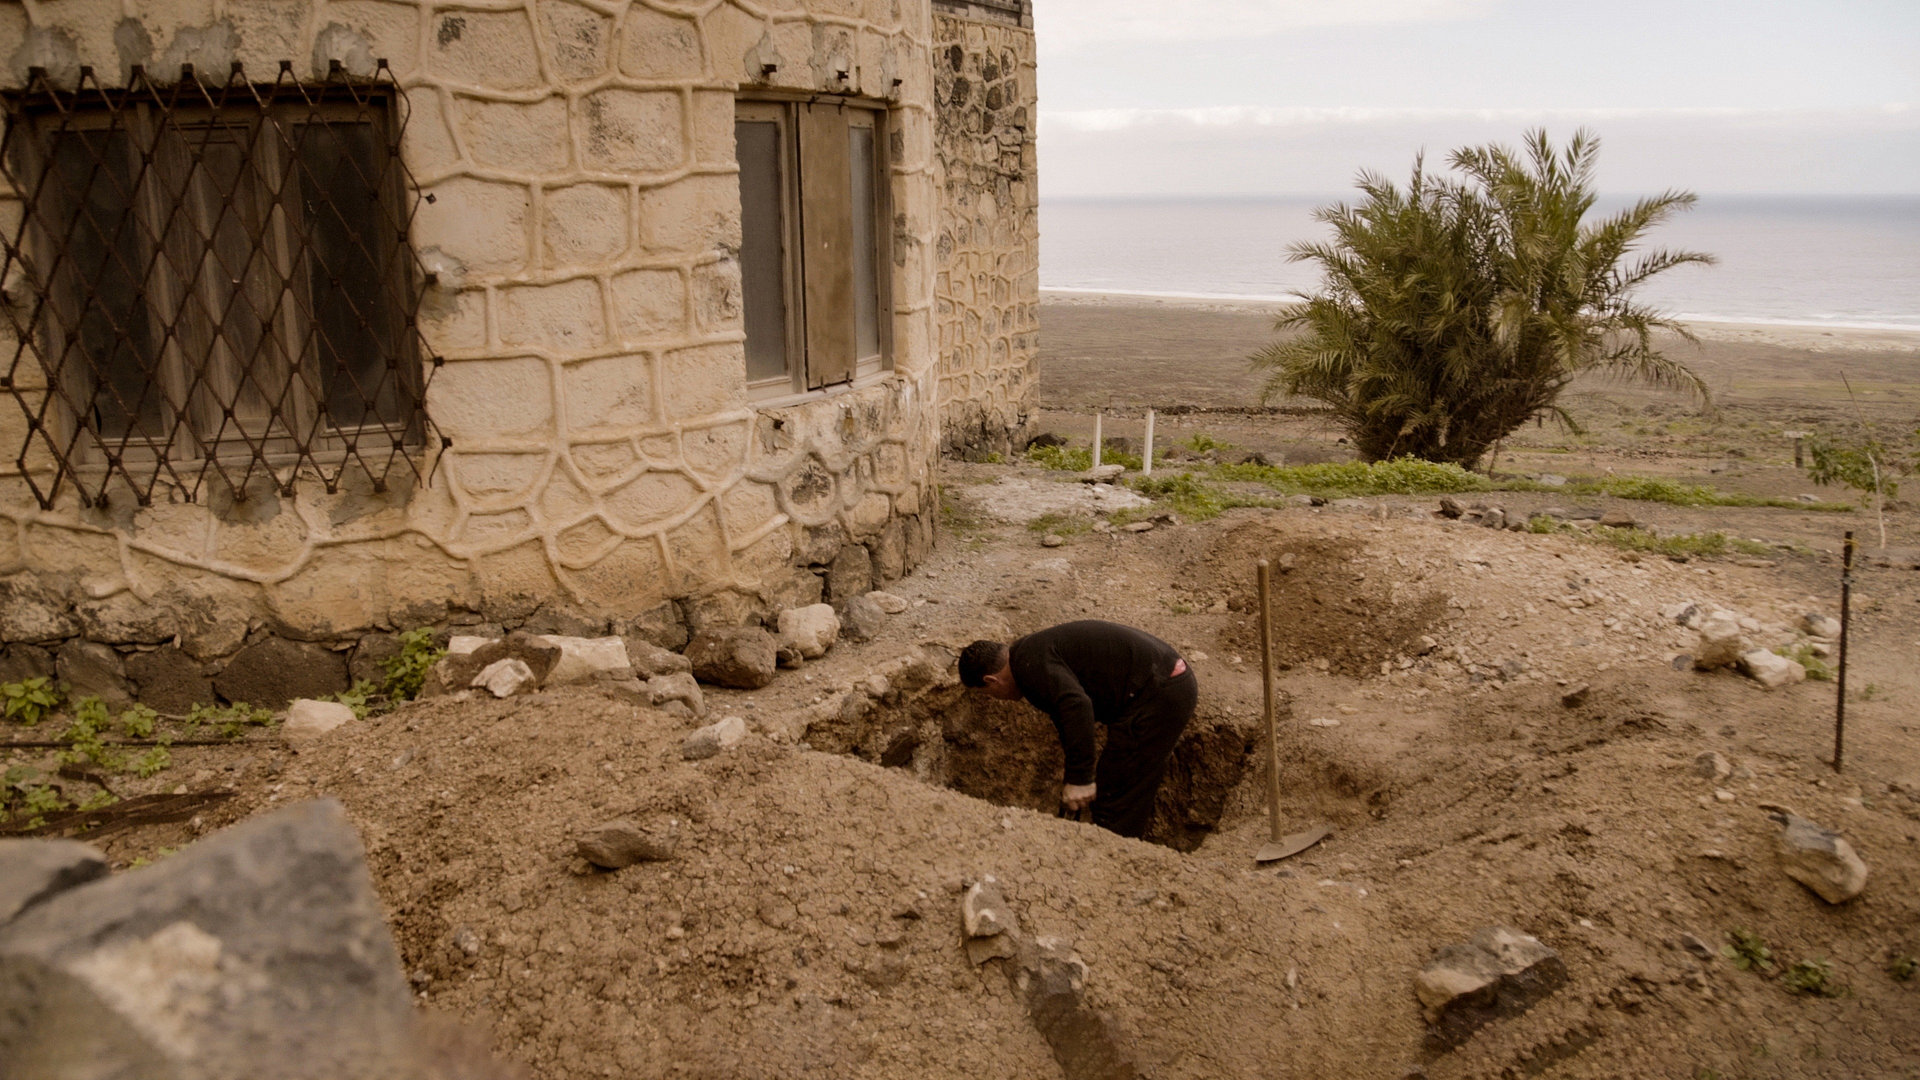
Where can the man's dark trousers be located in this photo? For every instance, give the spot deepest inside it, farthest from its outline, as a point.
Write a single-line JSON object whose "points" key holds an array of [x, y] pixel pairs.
{"points": [[1134, 760]]}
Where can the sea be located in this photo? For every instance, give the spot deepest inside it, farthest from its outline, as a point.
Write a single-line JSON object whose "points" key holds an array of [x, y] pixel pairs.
{"points": [[1836, 262]]}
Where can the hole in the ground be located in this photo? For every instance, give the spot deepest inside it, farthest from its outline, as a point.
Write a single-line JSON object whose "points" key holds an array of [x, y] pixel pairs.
{"points": [[1008, 754]]}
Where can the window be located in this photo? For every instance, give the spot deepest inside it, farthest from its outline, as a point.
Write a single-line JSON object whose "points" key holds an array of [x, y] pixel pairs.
{"points": [[220, 279], [814, 243]]}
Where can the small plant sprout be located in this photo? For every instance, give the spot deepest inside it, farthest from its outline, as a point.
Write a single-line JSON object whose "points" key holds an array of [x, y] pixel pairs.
{"points": [[1747, 950], [1903, 967], [1813, 978], [29, 701]]}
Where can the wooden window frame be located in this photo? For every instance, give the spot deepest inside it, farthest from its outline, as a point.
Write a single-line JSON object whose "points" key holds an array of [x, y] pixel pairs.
{"points": [[803, 121]]}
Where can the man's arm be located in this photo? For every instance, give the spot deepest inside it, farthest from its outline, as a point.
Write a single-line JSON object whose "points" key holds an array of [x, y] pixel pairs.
{"points": [[1066, 701]]}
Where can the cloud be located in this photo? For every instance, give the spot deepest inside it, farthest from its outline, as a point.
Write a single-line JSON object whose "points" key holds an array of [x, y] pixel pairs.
{"points": [[1065, 25]]}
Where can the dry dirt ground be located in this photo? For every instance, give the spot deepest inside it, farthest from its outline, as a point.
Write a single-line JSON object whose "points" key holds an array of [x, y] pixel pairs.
{"points": [[809, 923]]}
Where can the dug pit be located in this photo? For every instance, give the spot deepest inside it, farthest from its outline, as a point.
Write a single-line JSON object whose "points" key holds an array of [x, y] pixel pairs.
{"points": [[1007, 754]]}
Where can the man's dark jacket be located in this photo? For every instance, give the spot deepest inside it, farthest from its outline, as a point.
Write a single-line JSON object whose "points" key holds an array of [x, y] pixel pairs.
{"points": [[1080, 673]]}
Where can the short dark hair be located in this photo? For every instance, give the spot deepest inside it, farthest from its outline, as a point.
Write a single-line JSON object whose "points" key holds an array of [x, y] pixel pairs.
{"points": [[981, 659]]}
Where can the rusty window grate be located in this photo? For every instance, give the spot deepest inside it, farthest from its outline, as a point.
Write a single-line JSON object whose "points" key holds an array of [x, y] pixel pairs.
{"points": [[210, 280]]}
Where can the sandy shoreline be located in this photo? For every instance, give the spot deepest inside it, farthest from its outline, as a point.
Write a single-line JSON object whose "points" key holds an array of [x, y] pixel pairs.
{"points": [[1811, 338]]}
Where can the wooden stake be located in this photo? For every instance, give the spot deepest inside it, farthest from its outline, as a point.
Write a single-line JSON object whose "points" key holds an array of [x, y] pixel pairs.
{"points": [[1146, 458], [1096, 440], [1266, 693], [1840, 696]]}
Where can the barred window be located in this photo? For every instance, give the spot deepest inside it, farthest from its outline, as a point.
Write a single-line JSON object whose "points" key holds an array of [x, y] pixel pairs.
{"points": [[213, 279], [813, 253]]}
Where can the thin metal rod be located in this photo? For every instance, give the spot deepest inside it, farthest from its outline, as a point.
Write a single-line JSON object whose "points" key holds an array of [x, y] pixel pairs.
{"points": [[1266, 687], [1846, 618]]}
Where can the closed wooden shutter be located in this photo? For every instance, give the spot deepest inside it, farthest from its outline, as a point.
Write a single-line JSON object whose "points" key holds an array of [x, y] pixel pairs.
{"points": [[826, 228]]}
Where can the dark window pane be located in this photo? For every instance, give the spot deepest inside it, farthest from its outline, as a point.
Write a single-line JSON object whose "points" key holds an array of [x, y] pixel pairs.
{"points": [[356, 339], [866, 284], [102, 345], [763, 277]]}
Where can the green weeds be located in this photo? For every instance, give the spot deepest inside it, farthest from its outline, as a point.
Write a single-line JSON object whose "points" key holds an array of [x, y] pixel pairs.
{"points": [[1674, 493], [1813, 978], [1355, 479], [1817, 669], [1064, 524], [29, 700], [1902, 968], [1747, 950], [1673, 545], [407, 672], [1188, 496]]}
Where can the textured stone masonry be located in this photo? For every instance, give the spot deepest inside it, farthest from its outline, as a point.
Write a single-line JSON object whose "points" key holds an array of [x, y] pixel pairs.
{"points": [[583, 228]]}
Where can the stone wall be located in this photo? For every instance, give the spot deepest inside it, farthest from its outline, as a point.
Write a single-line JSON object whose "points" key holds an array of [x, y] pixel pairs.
{"points": [[987, 253], [606, 467]]}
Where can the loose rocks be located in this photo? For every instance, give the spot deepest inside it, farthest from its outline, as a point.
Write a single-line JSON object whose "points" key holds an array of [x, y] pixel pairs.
{"points": [[862, 619], [308, 721], [505, 678], [34, 870], [812, 629], [889, 603], [681, 687], [619, 844], [984, 912], [1499, 972], [583, 658], [1713, 766], [1770, 669], [713, 738], [1722, 641], [1820, 859], [650, 660], [740, 659], [1814, 624]]}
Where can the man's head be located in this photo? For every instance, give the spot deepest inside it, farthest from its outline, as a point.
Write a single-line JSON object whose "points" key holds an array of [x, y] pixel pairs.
{"points": [[983, 664]]}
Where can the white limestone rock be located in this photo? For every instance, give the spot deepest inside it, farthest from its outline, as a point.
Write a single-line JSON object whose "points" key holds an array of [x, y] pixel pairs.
{"points": [[505, 678], [308, 721], [585, 658], [1820, 859], [1770, 669], [812, 629], [1722, 641], [715, 737]]}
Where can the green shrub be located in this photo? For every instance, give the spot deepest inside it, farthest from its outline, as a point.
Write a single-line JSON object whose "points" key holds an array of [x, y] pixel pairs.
{"points": [[1747, 950], [29, 701], [407, 672], [1811, 977], [1352, 479]]}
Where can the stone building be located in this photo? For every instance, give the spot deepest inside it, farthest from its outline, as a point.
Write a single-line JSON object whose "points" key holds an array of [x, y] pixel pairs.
{"points": [[325, 319]]}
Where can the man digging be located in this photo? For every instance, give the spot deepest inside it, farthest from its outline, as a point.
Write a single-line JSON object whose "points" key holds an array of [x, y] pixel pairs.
{"points": [[1080, 673]]}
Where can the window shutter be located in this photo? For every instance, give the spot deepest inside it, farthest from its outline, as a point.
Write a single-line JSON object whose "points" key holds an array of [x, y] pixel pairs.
{"points": [[826, 226]]}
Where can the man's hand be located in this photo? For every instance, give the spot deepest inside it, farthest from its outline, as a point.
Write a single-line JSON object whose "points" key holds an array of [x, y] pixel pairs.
{"points": [[1076, 796]]}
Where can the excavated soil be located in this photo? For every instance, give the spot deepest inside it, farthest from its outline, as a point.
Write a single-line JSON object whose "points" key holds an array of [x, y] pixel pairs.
{"points": [[808, 925]]}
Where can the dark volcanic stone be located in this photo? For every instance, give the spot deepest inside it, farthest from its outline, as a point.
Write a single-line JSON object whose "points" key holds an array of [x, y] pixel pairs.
{"points": [[169, 680], [273, 671]]}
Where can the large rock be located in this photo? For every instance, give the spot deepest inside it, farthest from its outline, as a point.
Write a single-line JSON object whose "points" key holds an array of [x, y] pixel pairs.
{"points": [[862, 619], [812, 629], [1770, 669], [1499, 972], [650, 660], [681, 687], [743, 658], [851, 573], [169, 680], [715, 737], [1722, 640], [616, 845], [1084, 1043], [33, 871], [1814, 624], [1820, 859], [585, 658], [505, 678], [984, 911], [259, 953], [309, 721], [273, 671], [31, 610], [20, 662], [91, 669]]}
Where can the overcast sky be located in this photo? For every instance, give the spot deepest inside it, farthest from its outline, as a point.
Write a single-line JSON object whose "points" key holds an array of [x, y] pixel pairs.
{"points": [[1265, 97]]}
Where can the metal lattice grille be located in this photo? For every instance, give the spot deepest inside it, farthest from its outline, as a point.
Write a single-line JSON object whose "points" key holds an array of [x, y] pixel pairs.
{"points": [[211, 280]]}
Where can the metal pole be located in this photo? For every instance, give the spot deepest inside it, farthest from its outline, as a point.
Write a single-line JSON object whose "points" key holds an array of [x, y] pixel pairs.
{"points": [[1266, 687], [1096, 440], [1146, 459], [1840, 697]]}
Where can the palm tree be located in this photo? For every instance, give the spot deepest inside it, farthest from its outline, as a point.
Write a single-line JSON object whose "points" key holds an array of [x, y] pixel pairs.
{"points": [[1454, 311]]}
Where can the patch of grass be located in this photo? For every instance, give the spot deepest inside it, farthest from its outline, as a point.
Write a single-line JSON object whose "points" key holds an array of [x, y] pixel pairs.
{"points": [[1817, 669], [1674, 493], [1813, 978], [1352, 479], [230, 722], [1869, 692], [358, 697], [1200, 443], [958, 517], [1188, 496], [1747, 950], [1065, 458], [1681, 545], [1903, 968]]}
